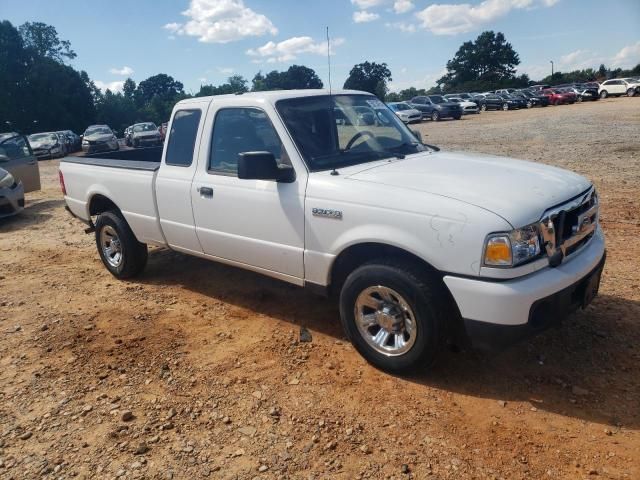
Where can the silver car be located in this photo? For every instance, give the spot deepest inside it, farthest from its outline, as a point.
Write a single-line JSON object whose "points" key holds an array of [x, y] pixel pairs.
{"points": [[145, 134], [19, 172], [99, 138]]}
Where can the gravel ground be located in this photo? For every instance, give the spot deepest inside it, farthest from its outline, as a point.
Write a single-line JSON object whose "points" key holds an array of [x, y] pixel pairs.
{"points": [[197, 370]]}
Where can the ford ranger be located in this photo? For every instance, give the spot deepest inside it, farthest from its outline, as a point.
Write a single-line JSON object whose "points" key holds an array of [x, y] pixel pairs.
{"points": [[421, 247]]}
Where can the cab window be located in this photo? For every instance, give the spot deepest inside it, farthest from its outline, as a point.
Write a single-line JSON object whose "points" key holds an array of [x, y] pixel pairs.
{"points": [[239, 130]]}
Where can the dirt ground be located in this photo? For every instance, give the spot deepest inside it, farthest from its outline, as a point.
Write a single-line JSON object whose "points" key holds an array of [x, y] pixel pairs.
{"points": [[195, 369]]}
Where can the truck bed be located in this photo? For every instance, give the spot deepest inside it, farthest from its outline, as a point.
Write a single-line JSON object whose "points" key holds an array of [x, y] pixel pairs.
{"points": [[128, 182]]}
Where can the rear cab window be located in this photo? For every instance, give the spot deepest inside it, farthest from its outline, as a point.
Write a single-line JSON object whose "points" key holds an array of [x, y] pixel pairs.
{"points": [[182, 137]]}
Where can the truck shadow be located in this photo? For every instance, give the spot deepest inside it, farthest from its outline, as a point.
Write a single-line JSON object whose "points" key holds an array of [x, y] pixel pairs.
{"points": [[587, 368]]}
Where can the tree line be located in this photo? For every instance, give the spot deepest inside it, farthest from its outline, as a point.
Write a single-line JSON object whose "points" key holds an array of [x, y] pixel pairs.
{"points": [[40, 92]]}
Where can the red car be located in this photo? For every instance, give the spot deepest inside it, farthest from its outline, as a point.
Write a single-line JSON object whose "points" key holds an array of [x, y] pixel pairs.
{"points": [[558, 97]]}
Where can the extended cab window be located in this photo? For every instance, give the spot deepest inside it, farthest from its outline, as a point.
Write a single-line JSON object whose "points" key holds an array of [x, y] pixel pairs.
{"points": [[182, 138], [238, 130], [15, 148]]}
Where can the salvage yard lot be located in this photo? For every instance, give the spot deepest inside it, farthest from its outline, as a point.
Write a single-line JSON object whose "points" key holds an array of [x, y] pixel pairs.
{"points": [[194, 369]]}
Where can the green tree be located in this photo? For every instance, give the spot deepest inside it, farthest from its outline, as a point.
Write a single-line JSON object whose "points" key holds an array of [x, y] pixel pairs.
{"points": [[296, 77], [488, 60], [370, 77], [235, 84], [129, 88], [117, 110], [161, 85], [43, 40]]}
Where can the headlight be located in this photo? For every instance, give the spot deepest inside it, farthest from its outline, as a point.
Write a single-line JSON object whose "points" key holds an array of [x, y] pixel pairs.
{"points": [[512, 248], [85, 142], [7, 181]]}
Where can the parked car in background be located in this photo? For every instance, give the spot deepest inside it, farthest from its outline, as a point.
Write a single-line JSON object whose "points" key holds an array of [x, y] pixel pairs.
{"points": [[582, 92], [405, 112], [75, 142], [463, 96], [513, 102], [436, 107], [467, 105], [65, 141], [163, 131], [99, 138], [127, 135], [145, 134], [47, 145], [494, 102], [532, 99], [618, 87], [11, 194], [19, 172], [507, 91], [557, 97]]}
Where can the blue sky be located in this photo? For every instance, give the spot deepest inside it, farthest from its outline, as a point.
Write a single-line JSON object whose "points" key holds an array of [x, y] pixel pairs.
{"points": [[205, 41]]}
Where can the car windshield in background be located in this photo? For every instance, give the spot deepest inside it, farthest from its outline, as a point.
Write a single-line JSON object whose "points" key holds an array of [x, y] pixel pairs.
{"points": [[145, 127], [438, 99], [400, 106], [98, 131], [43, 137], [333, 131]]}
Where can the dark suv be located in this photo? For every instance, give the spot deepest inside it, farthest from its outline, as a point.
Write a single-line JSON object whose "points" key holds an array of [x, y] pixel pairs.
{"points": [[436, 107]]}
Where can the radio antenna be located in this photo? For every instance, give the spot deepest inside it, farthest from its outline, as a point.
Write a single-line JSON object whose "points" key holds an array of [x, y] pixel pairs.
{"points": [[329, 58]]}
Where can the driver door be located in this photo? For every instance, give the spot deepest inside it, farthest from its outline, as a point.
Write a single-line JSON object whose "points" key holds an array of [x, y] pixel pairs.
{"points": [[257, 224], [17, 158]]}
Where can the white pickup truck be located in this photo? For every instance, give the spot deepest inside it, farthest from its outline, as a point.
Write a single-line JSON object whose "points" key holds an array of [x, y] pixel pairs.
{"points": [[422, 247]]}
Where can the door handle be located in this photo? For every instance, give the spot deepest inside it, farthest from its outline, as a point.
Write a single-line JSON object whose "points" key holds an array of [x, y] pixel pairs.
{"points": [[205, 192]]}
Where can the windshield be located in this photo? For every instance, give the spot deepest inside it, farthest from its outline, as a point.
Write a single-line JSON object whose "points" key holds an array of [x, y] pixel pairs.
{"points": [[366, 130], [400, 106], [98, 131], [144, 127], [437, 99], [43, 137]]}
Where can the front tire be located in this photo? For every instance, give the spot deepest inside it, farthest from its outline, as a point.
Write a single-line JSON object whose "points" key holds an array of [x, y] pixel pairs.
{"points": [[393, 315], [631, 92], [118, 247], [483, 107], [435, 116], [604, 94], [505, 107]]}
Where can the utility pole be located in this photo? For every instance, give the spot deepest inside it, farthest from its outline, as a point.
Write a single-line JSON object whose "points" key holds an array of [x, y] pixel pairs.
{"points": [[551, 68]]}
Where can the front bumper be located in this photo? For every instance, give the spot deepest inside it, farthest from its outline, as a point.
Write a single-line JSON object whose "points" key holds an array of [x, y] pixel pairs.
{"points": [[100, 147], [497, 313], [11, 200]]}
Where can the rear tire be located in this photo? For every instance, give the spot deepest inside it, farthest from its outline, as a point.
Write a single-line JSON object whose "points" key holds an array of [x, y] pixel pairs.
{"points": [[458, 117], [120, 251], [483, 107], [393, 314]]}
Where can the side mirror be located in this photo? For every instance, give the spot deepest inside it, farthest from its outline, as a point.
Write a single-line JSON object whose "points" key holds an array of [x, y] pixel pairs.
{"points": [[263, 166], [417, 134]]}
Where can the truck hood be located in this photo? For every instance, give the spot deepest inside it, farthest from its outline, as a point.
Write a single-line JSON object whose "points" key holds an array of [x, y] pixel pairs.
{"points": [[98, 137], [516, 190]]}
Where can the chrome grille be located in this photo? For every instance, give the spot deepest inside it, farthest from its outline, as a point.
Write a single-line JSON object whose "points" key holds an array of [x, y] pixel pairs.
{"points": [[570, 226]]}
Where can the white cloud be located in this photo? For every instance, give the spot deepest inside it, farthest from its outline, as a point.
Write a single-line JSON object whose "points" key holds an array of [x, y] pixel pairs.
{"points": [[364, 16], [113, 86], [226, 70], [402, 6], [289, 49], [124, 71], [402, 26], [221, 21], [451, 19], [628, 57], [364, 4]]}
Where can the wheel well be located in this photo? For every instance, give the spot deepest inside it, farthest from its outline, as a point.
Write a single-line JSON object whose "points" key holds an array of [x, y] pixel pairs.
{"points": [[100, 203], [356, 255]]}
